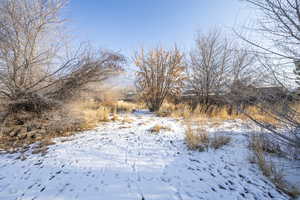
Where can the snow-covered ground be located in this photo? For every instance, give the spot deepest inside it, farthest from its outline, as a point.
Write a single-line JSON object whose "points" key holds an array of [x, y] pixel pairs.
{"points": [[119, 161]]}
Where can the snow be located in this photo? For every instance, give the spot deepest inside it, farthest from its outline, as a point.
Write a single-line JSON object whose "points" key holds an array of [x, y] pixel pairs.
{"points": [[126, 161]]}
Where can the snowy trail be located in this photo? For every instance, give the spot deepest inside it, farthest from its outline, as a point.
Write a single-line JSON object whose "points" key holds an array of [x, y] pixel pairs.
{"points": [[125, 161]]}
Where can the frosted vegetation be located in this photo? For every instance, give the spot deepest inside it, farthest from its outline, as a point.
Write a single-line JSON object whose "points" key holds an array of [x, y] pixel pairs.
{"points": [[218, 122]]}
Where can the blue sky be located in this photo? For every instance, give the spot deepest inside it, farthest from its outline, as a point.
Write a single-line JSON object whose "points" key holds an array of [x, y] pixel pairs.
{"points": [[127, 25]]}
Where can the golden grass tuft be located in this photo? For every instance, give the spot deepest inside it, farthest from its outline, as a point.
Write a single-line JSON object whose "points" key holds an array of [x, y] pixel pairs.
{"points": [[89, 112], [225, 112], [215, 112], [175, 111], [122, 106], [115, 117], [196, 139], [199, 139], [157, 128], [258, 114], [102, 114], [93, 112], [257, 144], [182, 111]]}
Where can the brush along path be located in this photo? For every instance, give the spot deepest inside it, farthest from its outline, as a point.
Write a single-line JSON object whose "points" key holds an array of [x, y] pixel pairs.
{"points": [[126, 161]]}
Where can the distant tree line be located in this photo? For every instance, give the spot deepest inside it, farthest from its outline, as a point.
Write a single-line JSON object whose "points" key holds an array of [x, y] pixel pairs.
{"points": [[217, 65]]}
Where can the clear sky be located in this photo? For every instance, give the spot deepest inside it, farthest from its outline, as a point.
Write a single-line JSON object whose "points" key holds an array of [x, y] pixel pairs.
{"points": [[126, 25]]}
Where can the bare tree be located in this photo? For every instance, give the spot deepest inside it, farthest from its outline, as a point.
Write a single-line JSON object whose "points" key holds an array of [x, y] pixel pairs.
{"points": [[220, 69], [279, 28], [217, 64], [210, 61], [242, 67], [35, 69], [160, 73]]}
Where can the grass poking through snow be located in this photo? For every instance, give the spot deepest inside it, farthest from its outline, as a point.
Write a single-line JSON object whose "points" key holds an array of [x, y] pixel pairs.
{"points": [[199, 139], [260, 146], [219, 140], [196, 139], [157, 128]]}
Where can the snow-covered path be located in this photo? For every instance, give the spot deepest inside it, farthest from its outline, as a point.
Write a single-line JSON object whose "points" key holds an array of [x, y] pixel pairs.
{"points": [[125, 161]]}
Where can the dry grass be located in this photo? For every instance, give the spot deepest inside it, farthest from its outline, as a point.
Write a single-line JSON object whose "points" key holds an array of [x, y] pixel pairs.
{"points": [[126, 119], [261, 142], [115, 117], [25, 128], [199, 139], [257, 144], [196, 139], [166, 110], [157, 128], [258, 114], [175, 111], [106, 93], [94, 112], [267, 166], [102, 114], [213, 112], [122, 106], [219, 141], [182, 111], [86, 112], [296, 107], [89, 112]]}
